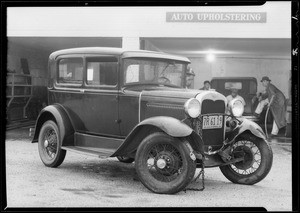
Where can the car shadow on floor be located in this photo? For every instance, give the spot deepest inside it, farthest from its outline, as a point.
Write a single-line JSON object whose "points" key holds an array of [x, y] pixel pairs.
{"points": [[109, 168]]}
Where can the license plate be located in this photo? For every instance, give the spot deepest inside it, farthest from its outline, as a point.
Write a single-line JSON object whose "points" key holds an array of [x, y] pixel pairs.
{"points": [[212, 122]]}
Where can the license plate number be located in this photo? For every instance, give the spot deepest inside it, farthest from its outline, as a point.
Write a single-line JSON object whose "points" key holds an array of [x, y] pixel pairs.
{"points": [[212, 122]]}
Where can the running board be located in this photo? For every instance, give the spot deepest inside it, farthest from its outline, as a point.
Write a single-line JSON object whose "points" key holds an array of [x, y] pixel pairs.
{"points": [[92, 151]]}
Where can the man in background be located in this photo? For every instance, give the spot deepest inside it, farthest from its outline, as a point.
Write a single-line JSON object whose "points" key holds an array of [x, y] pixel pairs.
{"points": [[189, 78], [276, 100], [234, 95], [206, 85]]}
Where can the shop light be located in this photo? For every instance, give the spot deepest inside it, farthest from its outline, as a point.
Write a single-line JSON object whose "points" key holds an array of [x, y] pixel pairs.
{"points": [[210, 57]]}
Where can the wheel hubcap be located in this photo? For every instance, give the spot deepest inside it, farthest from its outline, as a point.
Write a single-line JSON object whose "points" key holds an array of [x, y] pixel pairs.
{"points": [[50, 143], [161, 163], [164, 162], [46, 143]]}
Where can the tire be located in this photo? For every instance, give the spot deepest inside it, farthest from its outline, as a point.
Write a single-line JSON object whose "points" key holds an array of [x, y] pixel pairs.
{"points": [[257, 164], [125, 159], [163, 164], [49, 145]]}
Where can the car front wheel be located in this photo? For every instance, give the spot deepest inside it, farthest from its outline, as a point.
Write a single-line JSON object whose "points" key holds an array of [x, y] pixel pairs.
{"points": [[49, 145], [257, 163], [163, 164]]}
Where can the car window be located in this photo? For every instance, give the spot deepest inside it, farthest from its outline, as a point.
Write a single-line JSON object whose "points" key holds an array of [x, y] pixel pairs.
{"points": [[233, 85], [102, 71], [143, 71], [70, 70]]}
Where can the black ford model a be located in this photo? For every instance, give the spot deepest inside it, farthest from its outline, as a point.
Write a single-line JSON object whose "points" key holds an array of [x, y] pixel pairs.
{"points": [[133, 105]]}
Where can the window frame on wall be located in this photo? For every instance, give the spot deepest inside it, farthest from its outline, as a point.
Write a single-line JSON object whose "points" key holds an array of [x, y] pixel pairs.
{"points": [[69, 84], [101, 59]]}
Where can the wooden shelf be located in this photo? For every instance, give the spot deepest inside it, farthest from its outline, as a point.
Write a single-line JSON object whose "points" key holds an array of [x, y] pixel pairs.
{"points": [[18, 96], [18, 87]]}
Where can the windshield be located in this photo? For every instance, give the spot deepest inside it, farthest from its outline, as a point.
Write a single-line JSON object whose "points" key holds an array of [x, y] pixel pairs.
{"points": [[154, 71]]}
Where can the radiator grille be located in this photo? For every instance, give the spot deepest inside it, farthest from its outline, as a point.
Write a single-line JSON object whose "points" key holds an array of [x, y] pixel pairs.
{"points": [[211, 137], [209, 106]]}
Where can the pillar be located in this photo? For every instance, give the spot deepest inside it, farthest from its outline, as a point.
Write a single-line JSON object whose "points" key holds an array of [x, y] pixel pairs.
{"points": [[131, 43]]}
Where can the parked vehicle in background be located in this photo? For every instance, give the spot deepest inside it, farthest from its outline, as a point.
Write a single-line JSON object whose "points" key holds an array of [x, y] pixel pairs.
{"points": [[247, 88], [133, 105]]}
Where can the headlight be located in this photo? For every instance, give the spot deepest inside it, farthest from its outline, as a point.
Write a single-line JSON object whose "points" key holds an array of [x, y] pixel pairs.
{"points": [[192, 107], [236, 107]]}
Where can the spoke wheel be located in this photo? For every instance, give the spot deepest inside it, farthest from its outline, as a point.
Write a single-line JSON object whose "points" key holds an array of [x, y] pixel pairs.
{"points": [[163, 164], [257, 163], [49, 145], [251, 154]]}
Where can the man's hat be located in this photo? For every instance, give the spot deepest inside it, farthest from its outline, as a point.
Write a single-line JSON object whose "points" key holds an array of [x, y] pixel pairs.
{"points": [[265, 78], [190, 72]]}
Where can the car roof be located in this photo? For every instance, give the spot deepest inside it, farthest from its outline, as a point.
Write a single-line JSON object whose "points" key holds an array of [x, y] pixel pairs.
{"points": [[124, 53], [233, 78]]}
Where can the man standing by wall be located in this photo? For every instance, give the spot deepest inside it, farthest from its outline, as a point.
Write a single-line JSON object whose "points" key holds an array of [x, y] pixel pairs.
{"points": [[189, 78], [277, 103]]}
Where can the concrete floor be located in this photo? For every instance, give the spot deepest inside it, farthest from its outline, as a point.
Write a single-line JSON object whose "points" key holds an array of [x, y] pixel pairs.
{"points": [[84, 181]]}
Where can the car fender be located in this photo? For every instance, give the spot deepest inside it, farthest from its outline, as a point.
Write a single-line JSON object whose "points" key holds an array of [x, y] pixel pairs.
{"points": [[247, 125], [169, 125], [59, 115]]}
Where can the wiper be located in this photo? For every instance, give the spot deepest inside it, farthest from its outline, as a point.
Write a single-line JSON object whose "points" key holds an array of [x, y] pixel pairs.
{"points": [[162, 72]]}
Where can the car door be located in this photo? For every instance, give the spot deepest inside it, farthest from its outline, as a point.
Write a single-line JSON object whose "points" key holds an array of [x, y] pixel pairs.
{"points": [[68, 87], [101, 96]]}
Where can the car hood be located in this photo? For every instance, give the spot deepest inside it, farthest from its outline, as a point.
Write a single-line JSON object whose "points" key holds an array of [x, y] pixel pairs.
{"points": [[170, 102], [171, 93], [182, 94]]}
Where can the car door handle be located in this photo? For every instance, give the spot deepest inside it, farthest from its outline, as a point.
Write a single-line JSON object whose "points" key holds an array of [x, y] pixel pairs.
{"points": [[118, 121]]}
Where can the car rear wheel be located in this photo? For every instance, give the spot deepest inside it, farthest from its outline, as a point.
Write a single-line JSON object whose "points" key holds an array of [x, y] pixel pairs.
{"points": [[257, 163], [163, 164], [49, 145]]}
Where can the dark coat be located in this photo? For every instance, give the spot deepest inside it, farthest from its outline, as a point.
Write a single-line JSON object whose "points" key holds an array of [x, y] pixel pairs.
{"points": [[278, 105]]}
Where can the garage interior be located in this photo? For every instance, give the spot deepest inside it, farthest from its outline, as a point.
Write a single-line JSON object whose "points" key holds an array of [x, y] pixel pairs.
{"points": [[244, 57], [27, 61]]}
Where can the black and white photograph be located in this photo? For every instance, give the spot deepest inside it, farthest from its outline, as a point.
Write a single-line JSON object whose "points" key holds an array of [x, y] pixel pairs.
{"points": [[149, 106]]}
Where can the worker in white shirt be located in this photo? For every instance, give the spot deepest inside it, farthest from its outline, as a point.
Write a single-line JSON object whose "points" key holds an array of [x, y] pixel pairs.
{"points": [[234, 95]]}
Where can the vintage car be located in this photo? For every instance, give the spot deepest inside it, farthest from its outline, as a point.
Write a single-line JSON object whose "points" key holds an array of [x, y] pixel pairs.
{"points": [[133, 105]]}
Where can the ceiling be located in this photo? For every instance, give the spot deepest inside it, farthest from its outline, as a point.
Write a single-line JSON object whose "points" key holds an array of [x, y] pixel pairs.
{"points": [[51, 44], [190, 47], [225, 47]]}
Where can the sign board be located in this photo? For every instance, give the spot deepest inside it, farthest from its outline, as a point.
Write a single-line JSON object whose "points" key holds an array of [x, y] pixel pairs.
{"points": [[230, 17]]}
